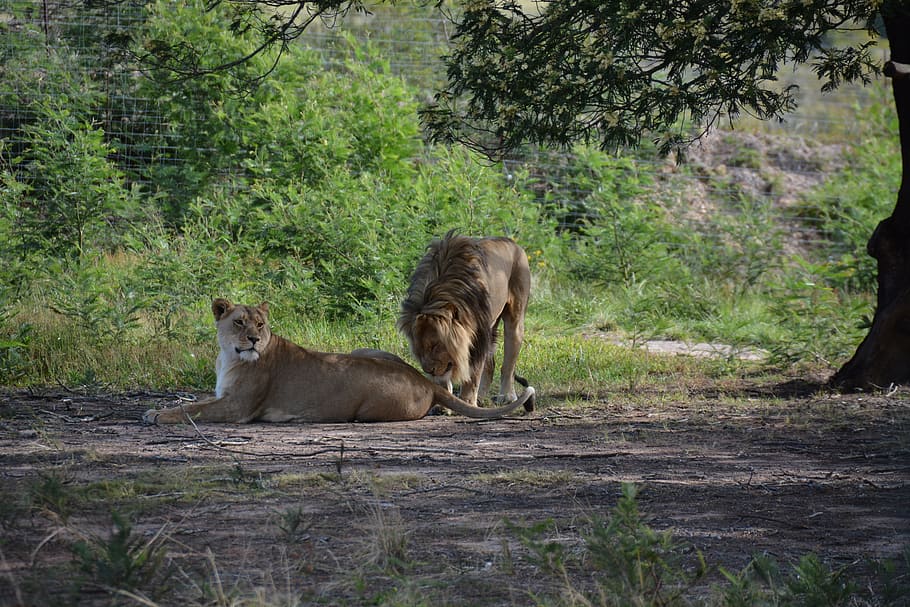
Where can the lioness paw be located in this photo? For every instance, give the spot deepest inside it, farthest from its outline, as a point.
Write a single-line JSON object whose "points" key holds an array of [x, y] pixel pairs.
{"points": [[150, 417]]}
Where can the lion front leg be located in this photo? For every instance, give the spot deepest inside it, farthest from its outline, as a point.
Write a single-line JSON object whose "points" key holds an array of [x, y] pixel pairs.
{"points": [[209, 410], [513, 335], [468, 392], [486, 376], [469, 388], [446, 383]]}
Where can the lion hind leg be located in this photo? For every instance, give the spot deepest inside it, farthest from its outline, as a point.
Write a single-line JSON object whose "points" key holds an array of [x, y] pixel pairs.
{"points": [[379, 408], [446, 384]]}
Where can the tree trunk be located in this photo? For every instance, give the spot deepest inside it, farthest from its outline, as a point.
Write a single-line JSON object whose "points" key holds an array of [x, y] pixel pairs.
{"points": [[883, 358]]}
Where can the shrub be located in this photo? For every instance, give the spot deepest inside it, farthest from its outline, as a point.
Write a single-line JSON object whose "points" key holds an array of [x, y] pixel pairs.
{"points": [[124, 561], [301, 125], [622, 561], [630, 563], [847, 209]]}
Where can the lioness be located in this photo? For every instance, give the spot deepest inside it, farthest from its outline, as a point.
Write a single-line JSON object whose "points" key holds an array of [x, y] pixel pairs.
{"points": [[264, 377], [460, 291]]}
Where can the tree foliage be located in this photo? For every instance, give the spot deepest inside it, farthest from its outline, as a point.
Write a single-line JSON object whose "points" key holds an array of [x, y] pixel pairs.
{"points": [[275, 23], [559, 72], [555, 72]]}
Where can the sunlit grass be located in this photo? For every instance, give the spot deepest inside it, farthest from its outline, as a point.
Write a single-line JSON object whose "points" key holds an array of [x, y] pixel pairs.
{"points": [[528, 478], [563, 359]]}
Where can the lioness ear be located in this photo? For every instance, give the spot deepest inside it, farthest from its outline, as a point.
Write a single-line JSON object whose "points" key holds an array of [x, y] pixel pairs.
{"points": [[264, 308], [220, 307]]}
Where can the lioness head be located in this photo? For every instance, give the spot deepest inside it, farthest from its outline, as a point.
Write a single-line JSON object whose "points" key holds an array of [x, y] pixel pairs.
{"points": [[243, 331]]}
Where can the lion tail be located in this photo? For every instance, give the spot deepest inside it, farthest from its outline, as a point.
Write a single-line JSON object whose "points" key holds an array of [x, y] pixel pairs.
{"points": [[446, 399]]}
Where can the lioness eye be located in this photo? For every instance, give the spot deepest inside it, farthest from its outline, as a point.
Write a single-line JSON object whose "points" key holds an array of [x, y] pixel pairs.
{"points": [[238, 322], [259, 324]]}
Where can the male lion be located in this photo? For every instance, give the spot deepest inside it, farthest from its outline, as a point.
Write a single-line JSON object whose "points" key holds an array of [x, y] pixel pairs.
{"points": [[459, 292], [264, 377]]}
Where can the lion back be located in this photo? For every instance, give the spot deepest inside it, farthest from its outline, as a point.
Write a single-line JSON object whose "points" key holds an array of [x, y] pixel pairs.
{"points": [[452, 274]]}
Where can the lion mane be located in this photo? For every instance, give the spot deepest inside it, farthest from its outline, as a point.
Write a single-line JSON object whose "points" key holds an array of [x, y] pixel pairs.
{"points": [[448, 289]]}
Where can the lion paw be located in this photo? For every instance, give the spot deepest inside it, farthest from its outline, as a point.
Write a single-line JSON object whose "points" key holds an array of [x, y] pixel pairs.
{"points": [[505, 399], [501, 399], [150, 417]]}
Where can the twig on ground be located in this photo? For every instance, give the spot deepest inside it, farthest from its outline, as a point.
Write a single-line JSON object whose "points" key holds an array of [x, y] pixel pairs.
{"points": [[76, 420]]}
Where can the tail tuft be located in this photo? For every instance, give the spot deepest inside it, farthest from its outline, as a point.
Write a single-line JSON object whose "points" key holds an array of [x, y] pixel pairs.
{"points": [[529, 404]]}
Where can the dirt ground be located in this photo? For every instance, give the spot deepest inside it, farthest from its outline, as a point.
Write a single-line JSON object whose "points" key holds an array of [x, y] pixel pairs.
{"points": [[413, 513]]}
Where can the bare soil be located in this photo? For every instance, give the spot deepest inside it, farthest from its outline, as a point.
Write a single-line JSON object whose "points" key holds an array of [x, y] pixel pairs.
{"points": [[413, 513]]}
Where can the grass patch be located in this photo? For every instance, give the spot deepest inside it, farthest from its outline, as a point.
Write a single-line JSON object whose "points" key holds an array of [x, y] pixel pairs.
{"points": [[61, 494], [356, 479], [529, 477], [555, 360], [566, 365], [385, 544]]}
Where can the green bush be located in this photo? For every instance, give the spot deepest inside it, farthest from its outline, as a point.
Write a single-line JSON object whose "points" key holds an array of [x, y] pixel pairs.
{"points": [[124, 561], [105, 304], [342, 248], [616, 233], [65, 195], [805, 305]]}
